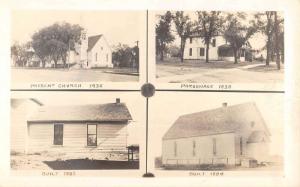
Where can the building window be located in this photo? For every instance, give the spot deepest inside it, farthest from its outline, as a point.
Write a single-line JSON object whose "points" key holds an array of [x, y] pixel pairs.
{"points": [[106, 57], [252, 124], [214, 146], [191, 51], [58, 134], [194, 148], [202, 51], [214, 42], [91, 135], [241, 145], [96, 56], [175, 149], [242, 53], [191, 40], [101, 48]]}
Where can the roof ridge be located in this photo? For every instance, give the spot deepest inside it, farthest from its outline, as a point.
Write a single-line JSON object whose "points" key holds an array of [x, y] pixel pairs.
{"points": [[214, 109]]}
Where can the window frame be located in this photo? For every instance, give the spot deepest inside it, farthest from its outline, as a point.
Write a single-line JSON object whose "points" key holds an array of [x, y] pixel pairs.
{"points": [[175, 149], [87, 135], [191, 40], [202, 51], [214, 42], [214, 146], [241, 145], [55, 143], [191, 52], [96, 57], [194, 148]]}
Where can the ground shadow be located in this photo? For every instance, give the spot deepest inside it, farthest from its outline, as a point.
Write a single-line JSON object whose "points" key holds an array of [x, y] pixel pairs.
{"points": [[85, 164]]}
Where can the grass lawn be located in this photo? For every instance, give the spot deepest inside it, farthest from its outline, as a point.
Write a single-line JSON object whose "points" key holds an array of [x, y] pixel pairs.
{"points": [[61, 161], [198, 71], [29, 75]]}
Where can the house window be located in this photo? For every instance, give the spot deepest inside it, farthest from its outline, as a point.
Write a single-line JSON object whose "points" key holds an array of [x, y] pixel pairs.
{"points": [[214, 146], [101, 48], [191, 40], [96, 56], [252, 124], [202, 52], [214, 42], [175, 149], [191, 51], [194, 148], [106, 57], [242, 53], [241, 145], [58, 134], [91, 135]]}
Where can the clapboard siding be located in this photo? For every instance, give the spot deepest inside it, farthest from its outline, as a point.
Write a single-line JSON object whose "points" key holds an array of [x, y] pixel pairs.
{"points": [[110, 137], [181, 150], [18, 130]]}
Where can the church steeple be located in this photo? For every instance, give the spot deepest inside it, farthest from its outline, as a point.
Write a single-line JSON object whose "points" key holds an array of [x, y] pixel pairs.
{"points": [[83, 46]]}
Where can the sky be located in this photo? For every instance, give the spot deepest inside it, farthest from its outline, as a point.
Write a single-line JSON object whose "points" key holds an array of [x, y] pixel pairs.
{"points": [[117, 26], [166, 107]]}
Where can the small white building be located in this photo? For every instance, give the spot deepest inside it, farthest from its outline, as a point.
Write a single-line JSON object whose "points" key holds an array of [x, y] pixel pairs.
{"points": [[91, 52], [195, 49], [226, 135]]}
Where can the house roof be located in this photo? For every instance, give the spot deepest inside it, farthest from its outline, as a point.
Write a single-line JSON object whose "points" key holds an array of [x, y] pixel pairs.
{"points": [[221, 120], [15, 102], [92, 40], [111, 112]]}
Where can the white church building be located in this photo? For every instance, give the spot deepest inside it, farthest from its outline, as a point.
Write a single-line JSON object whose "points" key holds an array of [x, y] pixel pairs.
{"points": [[92, 51]]}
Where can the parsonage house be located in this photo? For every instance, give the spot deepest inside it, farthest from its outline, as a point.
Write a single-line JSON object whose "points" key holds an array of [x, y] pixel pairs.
{"points": [[219, 49], [228, 135], [85, 130]]}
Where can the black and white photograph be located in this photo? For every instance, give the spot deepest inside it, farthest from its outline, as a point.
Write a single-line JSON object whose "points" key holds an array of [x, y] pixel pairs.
{"points": [[220, 47], [67, 131], [217, 131], [75, 46]]}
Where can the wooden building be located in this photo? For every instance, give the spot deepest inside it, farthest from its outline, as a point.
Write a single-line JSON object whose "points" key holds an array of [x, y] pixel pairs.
{"points": [[226, 135]]}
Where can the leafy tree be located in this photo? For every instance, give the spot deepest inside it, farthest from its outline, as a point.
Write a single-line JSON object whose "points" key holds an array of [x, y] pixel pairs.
{"points": [[271, 25], [183, 26], [125, 56], [237, 34], [54, 41], [21, 54], [209, 25], [163, 34]]}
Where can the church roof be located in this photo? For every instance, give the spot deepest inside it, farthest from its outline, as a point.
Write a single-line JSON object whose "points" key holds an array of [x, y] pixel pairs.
{"points": [[221, 120], [92, 40]]}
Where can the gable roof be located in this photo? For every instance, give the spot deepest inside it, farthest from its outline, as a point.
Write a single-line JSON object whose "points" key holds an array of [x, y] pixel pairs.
{"points": [[111, 112], [92, 40], [221, 120], [16, 102]]}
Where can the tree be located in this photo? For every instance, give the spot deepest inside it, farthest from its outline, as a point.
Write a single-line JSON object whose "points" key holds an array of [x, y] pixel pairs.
{"points": [[271, 26], [237, 34], [125, 56], [183, 26], [54, 41], [21, 54], [163, 34], [209, 25]]}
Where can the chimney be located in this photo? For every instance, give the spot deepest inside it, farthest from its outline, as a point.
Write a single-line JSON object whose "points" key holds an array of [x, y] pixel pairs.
{"points": [[224, 105], [117, 100]]}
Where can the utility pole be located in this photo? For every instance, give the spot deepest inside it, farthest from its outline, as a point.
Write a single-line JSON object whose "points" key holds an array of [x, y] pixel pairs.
{"points": [[137, 56]]}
